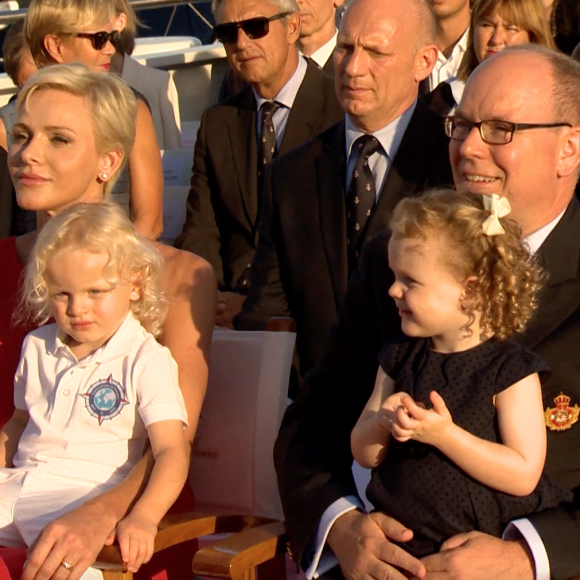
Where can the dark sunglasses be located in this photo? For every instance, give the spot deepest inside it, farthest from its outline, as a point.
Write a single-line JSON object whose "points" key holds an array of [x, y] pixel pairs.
{"points": [[99, 39], [253, 27]]}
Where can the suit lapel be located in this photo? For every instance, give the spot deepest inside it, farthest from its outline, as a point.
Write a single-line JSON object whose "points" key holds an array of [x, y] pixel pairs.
{"points": [[330, 175], [306, 111], [560, 256], [242, 134], [405, 172]]}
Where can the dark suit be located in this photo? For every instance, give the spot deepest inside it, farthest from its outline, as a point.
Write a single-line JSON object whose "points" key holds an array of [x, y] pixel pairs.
{"points": [[300, 268], [223, 202], [312, 453]]}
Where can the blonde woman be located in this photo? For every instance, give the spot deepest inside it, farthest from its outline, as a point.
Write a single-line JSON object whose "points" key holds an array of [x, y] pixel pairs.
{"points": [[75, 131]]}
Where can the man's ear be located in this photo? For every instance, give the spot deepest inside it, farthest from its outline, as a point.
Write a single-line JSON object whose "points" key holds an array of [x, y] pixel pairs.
{"points": [[293, 27], [54, 46], [569, 152], [425, 60]]}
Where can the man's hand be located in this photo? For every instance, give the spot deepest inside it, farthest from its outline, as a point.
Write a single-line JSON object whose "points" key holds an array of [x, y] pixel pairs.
{"points": [[229, 305], [76, 538], [361, 544], [478, 556]]}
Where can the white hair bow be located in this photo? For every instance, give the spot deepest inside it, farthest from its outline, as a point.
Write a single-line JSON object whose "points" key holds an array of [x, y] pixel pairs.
{"points": [[498, 207]]}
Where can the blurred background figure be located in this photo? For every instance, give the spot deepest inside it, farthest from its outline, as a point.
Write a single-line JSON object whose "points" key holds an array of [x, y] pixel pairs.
{"points": [[565, 24], [155, 85], [18, 62], [19, 65], [494, 25]]}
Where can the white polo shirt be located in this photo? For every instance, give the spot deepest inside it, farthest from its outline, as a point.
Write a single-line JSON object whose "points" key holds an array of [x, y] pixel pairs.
{"points": [[89, 417]]}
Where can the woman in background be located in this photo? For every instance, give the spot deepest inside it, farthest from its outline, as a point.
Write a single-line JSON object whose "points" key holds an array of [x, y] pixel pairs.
{"points": [[495, 24]]}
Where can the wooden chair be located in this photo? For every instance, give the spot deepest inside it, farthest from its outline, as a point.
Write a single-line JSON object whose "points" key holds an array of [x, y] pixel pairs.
{"points": [[212, 519]]}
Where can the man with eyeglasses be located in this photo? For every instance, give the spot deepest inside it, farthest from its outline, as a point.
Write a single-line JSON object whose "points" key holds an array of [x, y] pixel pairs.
{"points": [[516, 133], [288, 102]]}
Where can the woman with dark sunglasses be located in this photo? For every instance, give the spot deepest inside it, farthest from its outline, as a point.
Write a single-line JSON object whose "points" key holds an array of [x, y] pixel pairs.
{"points": [[64, 31]]}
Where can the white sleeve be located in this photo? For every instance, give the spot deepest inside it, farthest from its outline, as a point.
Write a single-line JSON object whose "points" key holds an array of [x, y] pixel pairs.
{"points": [[524, 529], [318, 553], [159, 397]]}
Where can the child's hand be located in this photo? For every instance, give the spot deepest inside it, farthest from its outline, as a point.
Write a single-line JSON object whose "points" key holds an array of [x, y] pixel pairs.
{"points": [[136, 535], [412, 421], [387, 414]]}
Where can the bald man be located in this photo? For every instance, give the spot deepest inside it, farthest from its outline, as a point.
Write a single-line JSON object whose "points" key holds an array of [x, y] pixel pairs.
{"points": [[527, 86], [309, 242]]}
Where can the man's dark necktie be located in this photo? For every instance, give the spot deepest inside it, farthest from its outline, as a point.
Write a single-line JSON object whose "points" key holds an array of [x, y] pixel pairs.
{"points": [[361, 196], [267, 143]]}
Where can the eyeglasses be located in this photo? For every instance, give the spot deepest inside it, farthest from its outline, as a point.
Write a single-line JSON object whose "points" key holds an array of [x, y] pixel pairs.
{"points": [[99, 39], [254, 28], [492, 132]]}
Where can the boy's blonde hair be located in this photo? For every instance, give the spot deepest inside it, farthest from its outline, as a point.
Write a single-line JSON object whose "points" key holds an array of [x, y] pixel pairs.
{"points": [[112, 105], [100, 228], [507, 277], [62, 18]]}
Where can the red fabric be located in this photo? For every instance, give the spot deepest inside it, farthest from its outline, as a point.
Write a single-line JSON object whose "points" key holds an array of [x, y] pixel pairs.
{"points": [[11, 337], [11, 563]]}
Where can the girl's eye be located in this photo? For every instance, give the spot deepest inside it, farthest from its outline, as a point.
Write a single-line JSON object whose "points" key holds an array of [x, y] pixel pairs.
{"points": [[95, 292], [512, 28]]}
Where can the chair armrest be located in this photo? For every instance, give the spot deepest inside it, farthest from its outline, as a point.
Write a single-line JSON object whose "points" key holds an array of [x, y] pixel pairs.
{"points": [[177, 528], [234, 556]]}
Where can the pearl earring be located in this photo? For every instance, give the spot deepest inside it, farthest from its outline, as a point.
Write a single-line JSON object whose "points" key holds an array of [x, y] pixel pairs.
{"points": [[103, 176]]}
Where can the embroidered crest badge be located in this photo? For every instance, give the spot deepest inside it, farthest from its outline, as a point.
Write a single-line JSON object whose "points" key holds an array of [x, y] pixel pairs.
{"points": [[563, 416], [105, 399]]}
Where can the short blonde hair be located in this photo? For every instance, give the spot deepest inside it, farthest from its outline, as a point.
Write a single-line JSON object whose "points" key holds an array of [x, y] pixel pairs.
{"points": [[112, 105], [507, 277], [527, 15], [100, 228], [61, 18]]}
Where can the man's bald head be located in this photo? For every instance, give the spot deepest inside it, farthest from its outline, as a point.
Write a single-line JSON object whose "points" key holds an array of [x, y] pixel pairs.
{"points": [[384, 49]]}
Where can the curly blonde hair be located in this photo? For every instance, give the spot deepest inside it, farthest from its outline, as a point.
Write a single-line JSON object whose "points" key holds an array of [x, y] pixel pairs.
{"points": [[507, 277], [100, 228]]}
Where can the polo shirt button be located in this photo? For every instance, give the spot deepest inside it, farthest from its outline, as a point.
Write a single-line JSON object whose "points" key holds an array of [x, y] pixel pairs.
{"points": [[66, 392]]}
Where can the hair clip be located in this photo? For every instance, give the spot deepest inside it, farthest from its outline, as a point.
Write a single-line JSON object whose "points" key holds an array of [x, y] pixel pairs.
{"points": [[498, 207]]}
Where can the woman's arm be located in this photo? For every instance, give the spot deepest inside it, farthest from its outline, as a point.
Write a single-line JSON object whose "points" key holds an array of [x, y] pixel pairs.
{"points": [[513, 466], [136, 533], [146, 174], [10, 436], [370, 437]]}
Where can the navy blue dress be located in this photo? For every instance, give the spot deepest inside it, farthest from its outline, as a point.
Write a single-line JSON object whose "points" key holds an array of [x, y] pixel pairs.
{"points": [[418, 485]]}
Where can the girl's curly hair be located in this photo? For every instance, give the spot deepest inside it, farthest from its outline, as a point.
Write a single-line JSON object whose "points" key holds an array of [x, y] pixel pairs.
{"points": [[102, 228], [507, 276]]}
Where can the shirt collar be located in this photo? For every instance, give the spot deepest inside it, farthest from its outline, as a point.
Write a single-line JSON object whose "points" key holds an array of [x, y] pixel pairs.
{"points": [[537, 238], [459, 49], [288, 92], [321, 56], [389, 137], [117, 346]]}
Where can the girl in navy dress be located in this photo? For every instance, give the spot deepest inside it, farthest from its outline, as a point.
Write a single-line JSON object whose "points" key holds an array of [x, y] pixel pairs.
{"points": [[454, 428]]}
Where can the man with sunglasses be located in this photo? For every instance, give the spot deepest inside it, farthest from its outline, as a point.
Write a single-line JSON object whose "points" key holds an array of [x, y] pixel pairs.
{"points": [[288, 102], [317, 210], [516, 133]]}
